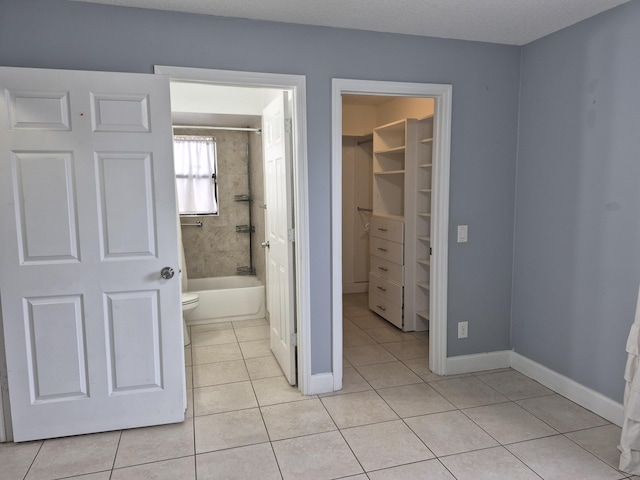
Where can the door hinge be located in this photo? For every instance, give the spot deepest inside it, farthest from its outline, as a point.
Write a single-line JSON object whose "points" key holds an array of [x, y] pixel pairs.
{"points": [[430, 251], [294, 339], [288, 125], [292, 235]]}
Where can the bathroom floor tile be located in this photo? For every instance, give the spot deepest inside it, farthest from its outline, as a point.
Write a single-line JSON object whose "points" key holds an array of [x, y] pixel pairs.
{"points": [[352, 382], [139, 445], [229, 430], [420, 366], [355, 310], [384, 445], [187, 357], [348, 325], [212, 337], [274, 390], [16, 458], [254, 461], [182, 468], [263, 367], [389, 335], [601, 442], [407, 350], [210, 326], [414, 400], [450, 433], [249, 323], [352, 338], [216, 353], [65, 457], [427, 470], [256, 348], [468, 392], [355, 409], [509, 423], [321, 456], [562, 414], [219, 373], [390, 374], [514, 385], [558, 458], [223, 398], [488, 464], [368, 320], [367, 355], [294, 419], [188, 374], [247, 334]]}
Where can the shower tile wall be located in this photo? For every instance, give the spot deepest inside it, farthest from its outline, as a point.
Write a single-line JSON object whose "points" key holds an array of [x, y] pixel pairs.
{"points": [[215, 249], [257, 193]]}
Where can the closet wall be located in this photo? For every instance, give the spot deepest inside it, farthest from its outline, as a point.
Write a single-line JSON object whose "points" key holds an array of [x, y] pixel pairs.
{"points": [[360, 115]]}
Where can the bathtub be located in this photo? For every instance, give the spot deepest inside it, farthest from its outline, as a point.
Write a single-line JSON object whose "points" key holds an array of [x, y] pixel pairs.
{"points": [[223, 299]]}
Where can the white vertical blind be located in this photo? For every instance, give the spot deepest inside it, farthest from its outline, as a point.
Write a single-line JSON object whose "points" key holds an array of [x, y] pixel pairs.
{"points": [[195, 164]]}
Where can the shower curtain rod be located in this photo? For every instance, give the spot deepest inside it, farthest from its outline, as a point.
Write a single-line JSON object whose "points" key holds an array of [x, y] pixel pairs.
{"points": [[206, 127]]}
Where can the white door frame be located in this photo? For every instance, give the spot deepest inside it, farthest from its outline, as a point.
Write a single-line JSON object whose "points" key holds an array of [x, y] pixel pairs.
{"points": [[440, 209], [297, 85]]}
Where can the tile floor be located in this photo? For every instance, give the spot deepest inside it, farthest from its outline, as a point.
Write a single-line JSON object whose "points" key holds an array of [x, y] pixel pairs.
{"points": [[394, 419]]}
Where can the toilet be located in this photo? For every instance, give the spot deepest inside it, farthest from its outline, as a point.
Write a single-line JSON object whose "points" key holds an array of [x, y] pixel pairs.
{"points": [[190, 302]]}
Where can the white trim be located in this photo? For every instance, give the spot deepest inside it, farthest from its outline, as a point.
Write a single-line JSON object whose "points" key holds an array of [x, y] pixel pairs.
{"points": [[478, 362], [321, 383], [574, 391], [440, 234], [297, 85]]}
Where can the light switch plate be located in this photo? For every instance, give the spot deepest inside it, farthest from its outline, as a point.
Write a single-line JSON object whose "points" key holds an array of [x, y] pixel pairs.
{"points": [[463, 233], [463, 329]]}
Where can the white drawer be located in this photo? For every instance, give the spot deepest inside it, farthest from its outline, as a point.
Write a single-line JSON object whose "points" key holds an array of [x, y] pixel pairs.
{"points": [[386, 269], [388, 229], [392, 251], [386, 309], [390, 291]]}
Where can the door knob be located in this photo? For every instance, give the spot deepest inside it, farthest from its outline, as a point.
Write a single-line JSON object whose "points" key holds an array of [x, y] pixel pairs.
{"points": [[265, 244], [167, 273]]}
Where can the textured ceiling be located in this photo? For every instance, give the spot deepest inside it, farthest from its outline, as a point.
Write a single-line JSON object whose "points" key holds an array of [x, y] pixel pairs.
{"points": [[514, 22]]}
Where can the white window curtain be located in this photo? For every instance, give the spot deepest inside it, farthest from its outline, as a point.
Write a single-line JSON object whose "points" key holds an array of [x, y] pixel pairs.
{"points": [[195, 164]]}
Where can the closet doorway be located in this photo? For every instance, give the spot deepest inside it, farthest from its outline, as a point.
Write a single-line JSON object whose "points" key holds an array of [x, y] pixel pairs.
{"points": [[390, 177]]}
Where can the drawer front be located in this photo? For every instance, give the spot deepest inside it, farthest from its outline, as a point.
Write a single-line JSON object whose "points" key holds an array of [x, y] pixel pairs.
{"points": [[387, 229], [386, 269], [392, 251], [385, 289], [386, 309]]}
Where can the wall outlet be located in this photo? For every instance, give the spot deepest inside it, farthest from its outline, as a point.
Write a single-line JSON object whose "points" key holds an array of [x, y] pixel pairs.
{"points": [[463, 329]]}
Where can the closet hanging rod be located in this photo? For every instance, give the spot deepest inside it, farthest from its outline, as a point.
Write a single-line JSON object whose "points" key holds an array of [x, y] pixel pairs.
{"points": [[206, 127]]}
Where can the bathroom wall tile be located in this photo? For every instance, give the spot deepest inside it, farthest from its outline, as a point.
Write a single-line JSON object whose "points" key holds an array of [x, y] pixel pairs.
{"points": [[195, 265]]}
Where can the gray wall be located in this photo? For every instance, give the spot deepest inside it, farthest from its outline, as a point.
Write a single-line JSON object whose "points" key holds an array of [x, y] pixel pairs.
{"points": [[577, 240], [485, 78]]}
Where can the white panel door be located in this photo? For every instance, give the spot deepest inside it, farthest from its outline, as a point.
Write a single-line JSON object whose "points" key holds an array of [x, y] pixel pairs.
{"points": [[276, 134], [93, 334]]}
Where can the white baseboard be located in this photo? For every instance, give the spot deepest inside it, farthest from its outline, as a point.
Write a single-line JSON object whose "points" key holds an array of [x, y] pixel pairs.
{"points": [[321, 383], [574, 391], [478, 362], [360, 287]]}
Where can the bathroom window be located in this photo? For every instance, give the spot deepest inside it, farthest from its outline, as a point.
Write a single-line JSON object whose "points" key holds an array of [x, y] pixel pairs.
{"points": [[196, 182]]}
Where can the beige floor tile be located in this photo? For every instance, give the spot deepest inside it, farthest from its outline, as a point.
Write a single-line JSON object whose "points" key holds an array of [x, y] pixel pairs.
{"points": [[357, 409], [427, 470], [229, 430], [422, 336], [256, 348], [187, 357], [558, 458], [414, 400], [270, 391], [408, 350], [368, 320], [600, 441], [420, 366], [355, 310], [352, 382], [216, 353], [141, 445], [263, 367], [562, 414], [514, 385], [509, 423], [188, 373], [213, 337], [489, 464], [252, 462], [353, 338], [247, 334], [390, 374], [223, 398], [249, 323], [367, 355], [348, 325], [294, 419], [65, 457], [219, 373], [384, 445], [182, 468], [467, 392], [189, 411], [389, 334], [92, 476], [210, 326], [450, 433], [319, 457], [16, 458]]}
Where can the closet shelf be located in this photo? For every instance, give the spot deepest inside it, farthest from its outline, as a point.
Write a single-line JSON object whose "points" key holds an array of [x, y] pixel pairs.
{"points": [[426, 140], [423, 285], [391, 150], [425, 239], [426, 165], [390, 172], [424, 214], [423, 313], [424, 190], [423, 261]]}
